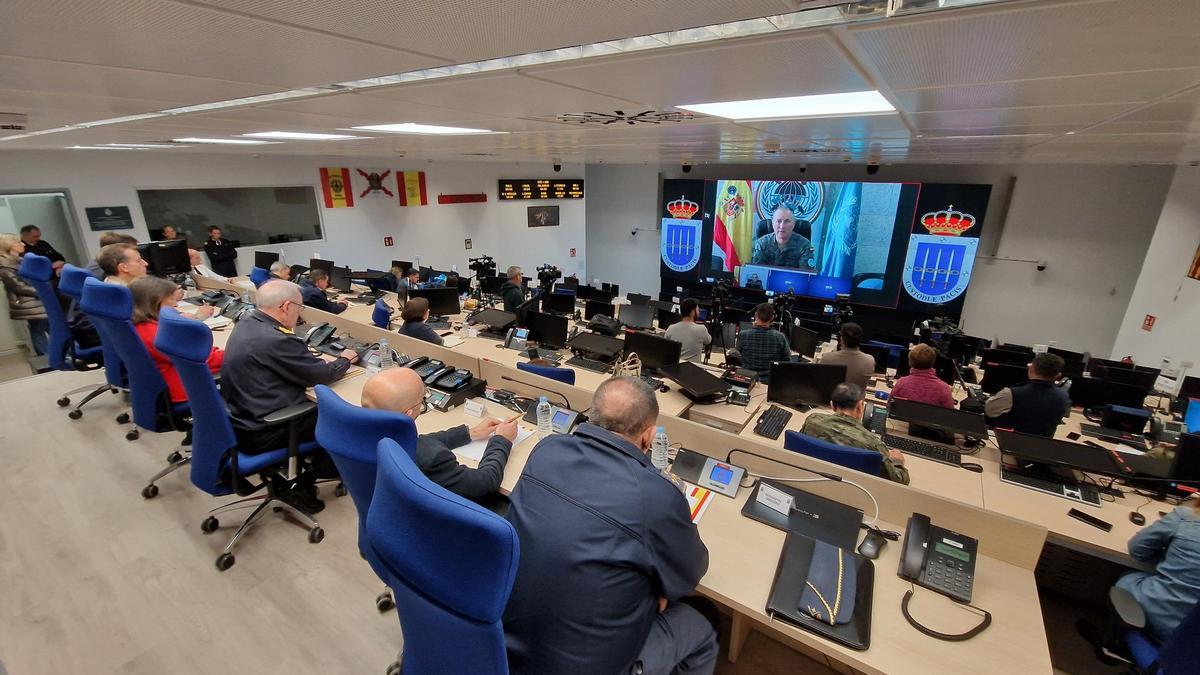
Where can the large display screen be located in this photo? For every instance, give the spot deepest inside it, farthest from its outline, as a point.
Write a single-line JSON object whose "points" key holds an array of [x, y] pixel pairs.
{"points": [[884, 244]]}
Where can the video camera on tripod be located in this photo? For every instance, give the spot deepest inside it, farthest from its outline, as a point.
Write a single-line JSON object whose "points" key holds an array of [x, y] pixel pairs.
{"points": [[483, 266], [842, 311], [547, 274]]}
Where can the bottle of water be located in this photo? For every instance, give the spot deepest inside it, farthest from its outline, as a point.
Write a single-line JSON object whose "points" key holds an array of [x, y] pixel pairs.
{"points": [[544, 426], [246, 297], [658, 449], [385, 355]]}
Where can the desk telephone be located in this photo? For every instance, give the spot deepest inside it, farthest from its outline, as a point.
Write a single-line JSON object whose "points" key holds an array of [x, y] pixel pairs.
{"points": [[516, 338], [942, 561], [319, 335], [450, 379]]}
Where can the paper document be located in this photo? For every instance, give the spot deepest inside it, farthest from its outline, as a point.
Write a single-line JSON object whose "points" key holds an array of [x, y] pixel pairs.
{"points": [[698, 499], [451, 341], [474, 449], [1128, 450], [216, 322]]}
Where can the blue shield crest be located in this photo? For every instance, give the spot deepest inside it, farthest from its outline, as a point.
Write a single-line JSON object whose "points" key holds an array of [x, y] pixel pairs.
{"points": [[680, 248], [938, 268]]}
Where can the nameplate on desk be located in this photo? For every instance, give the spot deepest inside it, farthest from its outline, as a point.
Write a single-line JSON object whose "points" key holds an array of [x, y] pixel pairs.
{"points": [[474, 408], [774, 498]]}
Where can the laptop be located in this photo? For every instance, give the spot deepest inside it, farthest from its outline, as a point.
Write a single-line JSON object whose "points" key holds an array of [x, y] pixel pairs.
{"points": [[812, 516]]}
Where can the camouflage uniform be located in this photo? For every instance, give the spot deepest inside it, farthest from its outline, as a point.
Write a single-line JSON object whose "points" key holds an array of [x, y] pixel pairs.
{"points": [[849, 432]]}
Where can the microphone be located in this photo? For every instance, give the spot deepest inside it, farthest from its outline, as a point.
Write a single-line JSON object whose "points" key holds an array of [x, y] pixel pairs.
{"points": [[822, 474], [538, 386]]}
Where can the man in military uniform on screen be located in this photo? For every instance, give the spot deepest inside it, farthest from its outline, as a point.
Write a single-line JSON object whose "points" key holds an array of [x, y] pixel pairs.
{"points": [[783, 246]]}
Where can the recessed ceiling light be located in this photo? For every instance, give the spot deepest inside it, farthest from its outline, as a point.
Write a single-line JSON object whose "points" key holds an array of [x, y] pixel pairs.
{"points": [[791, 107], [230, 141], [413, 128], [301, 136], [98, 147], [142, 145]]}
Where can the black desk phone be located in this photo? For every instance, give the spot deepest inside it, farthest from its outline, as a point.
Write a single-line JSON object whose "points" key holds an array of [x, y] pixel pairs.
{"points": [[319, 335], [425, 366], [449, 379], [938, 559]]}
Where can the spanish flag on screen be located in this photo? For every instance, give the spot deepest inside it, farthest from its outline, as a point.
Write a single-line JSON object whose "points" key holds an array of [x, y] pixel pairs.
{"points": [[335, 184], [412, 188], [733, 227]]}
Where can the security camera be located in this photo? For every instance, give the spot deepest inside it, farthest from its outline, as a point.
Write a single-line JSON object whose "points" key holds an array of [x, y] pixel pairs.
{"points": [[1041, 265], [872, 169], [557, 167], [633, 233], [687, 168], [803, 168]]}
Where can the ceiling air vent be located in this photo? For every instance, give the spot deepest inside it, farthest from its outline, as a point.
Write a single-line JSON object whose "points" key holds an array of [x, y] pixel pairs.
{"points": [[14, 121], [618, 116]]}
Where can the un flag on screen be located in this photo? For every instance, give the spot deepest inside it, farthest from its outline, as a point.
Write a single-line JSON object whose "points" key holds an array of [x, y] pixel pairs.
{"points": [[680, 248], [938, 268]]}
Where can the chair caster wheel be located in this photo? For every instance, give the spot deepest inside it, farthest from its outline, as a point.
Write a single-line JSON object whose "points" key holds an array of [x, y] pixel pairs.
{"points": [[209, 525], [385, 602], [394, 669], [132, 435], [123, 418], [63, 402], [339, 490], [315, 535], [224, 561], [174, 457], [75, 414], [150, 491]]}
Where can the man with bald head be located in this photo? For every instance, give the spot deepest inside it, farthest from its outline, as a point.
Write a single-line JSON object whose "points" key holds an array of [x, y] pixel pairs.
{"points": [[268, 368], [401, 390], [608, 550]]}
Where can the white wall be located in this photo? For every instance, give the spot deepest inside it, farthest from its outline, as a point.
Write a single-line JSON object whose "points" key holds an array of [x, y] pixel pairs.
{"points": [[1092, 224], [353, 236], [1163, 288]]}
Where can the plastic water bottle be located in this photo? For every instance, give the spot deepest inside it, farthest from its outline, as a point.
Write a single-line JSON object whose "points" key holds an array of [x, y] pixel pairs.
{"points": [[544, 426], [658, 449], [385, 355], [246, 297]]}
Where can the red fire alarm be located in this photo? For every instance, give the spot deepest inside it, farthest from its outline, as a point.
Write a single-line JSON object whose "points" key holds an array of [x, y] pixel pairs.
{"points": [[1148, 322], [572, 253], [387, 241]]}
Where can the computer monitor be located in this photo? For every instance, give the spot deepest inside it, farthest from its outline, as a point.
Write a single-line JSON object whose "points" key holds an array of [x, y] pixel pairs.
{"points": [[751, 295], [319, 264], [881, 355], [404, 265], [1135, 378], [594, 307], [823, 329], [798, 384], [1088, 392], [339, 278], [559, 302], [597, 345], [563, 289], [700, 290], [936, 417], [1188, 390], [1005, 357], [612, 289], [902, 365], [1098, 367], [570, 282], [654, 351], [584, 292], [805, 341], [297, 270], [168, 257], [1053, 453], [548, 330], [425, 272], [442, 301], [494, 318], [523, 310], [597, 294], [637, 316], [736, 315], [997, 376], [490, 285], [264, 259], [638, 299], [1186, 468], [1022, 349], [964, 348], [1191, 418], [666, 318], [696, 382]]}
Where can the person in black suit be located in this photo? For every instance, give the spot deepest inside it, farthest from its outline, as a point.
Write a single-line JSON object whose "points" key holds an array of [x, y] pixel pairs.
{"points": [[32, 236], [221, 253]]}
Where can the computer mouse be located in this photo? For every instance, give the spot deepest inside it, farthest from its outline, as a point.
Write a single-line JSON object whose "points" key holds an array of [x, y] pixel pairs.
{"points": [[1137, 518], [871, 545]]}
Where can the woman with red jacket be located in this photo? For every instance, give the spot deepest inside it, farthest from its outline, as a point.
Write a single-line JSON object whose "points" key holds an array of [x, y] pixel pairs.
{"points": [[150, 295]]}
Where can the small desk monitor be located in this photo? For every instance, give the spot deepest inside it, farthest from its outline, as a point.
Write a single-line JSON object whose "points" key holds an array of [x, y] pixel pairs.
{"points": [[936, 417], [494, 318], [570, 282], [997, 376], [805, 341], [425, 272], [1005, 357], [559, 302], [1187, 460], [696, 382], [1188, 390], [654, 351], [637, 316], [638, 299], [339, 278], [1088, 392], [404, 265], [319, 264], [1191, 419], [168, 257], [594, 307], [442, 301], [548, 330], [597, 345], [1054, 453], [1134, 378], [523, 310], [880, 354], [797, 384], [666, 318], [264, 259], [490, 285]]}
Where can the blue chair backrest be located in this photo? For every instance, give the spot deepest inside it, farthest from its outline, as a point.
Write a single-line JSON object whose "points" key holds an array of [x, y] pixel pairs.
{"points": [[1181, 652], [110, 307], [38, 272], [351, 435], [450, 564], [71, 285], [188, 343], [566, 375], [381, 316], [259, 276], [866, 461]]}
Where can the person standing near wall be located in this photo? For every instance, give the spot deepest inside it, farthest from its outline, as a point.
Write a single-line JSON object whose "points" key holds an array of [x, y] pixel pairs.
{"points": [[23, 301]]}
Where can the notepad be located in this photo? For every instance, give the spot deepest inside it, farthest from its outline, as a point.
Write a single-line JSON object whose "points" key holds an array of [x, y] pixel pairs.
{"points": [[452, 341], [474, 450], [698, 499]]}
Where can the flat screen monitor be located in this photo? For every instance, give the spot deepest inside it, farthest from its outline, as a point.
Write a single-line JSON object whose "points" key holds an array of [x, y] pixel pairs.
{"points": [[1187, 459], [1191, 418], [902, 365], [319, 264], [339, 278], [997, 376], [881, 355], [735, 315], [798, 384], [613, 289], [594, 307], [584, 292], [1188, 390], [494, 318], [890, 339], [1088, 392], [297, 270], [264, 259], [563, 289], [490, 285], [696, 381], [823, 329], [937, 417], [425, 272], [1020, 349], [1005, 357], [442, 301], [1068, 355], [559, 302], [168, 257], [570, 282], [753, 296], [1135, 378], [1098, 367], [654, 351], [548, 330], [964, 348], [805, 341], [638, 299], [404, 265], [1055, 453], [595, 344], [523, 310], [666, 318], [637, 316]]}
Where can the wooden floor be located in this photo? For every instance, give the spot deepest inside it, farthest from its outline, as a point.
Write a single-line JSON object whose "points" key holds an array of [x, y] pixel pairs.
{"points": [[96, 579]]}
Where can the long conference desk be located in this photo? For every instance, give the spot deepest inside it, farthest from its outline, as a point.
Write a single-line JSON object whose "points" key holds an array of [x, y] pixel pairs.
{"points": [[1011, 523]]}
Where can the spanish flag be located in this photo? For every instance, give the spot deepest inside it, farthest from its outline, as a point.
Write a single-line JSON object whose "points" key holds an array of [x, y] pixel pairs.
{"points": [[412, 188], [335, 184], [733, 226]]}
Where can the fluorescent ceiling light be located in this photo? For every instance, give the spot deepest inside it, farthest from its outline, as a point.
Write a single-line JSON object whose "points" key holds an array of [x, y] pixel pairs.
{"points": [[142, 145], [300, 136], [820, 105], [413, 128], [229, 141], [98, 147]]}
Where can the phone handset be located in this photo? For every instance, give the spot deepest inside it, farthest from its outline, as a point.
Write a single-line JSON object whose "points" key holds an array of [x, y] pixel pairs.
{"points": [[916, 542], [320, 334], [942, 561]]}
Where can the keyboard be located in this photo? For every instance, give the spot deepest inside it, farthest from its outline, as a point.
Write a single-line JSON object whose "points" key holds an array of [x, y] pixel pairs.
{"points": [[552, 355], [588, 364], [654, 383], [772, 422], [1078, 492], [911, 446], [438, 325]]}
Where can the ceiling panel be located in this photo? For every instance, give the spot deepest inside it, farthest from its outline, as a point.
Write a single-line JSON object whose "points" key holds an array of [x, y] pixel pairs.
{"points": [[1078, 115]]}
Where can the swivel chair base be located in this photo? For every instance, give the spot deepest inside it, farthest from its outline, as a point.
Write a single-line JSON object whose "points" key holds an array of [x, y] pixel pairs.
{"points": [[268, 503], [76, 412], [175, 461]]}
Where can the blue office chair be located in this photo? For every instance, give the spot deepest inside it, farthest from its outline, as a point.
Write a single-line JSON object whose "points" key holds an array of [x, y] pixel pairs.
{"points": [[259, 276], [219, 466], [110, 307], [866, 461], [1179, 654], [566, 375], [451, 564], [351, 435], [62, 352], [381, 316], [70, 284]]}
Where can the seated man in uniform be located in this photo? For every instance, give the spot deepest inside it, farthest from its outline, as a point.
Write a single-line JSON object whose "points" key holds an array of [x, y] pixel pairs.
{"points": [[1034, 407], [608, 550], [268, 368], [844, 427], [783, 246], [314, 293]]}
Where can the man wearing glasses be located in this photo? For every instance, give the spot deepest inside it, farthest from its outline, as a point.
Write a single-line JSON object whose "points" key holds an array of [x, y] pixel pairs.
{"points": [[268, 368]]}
